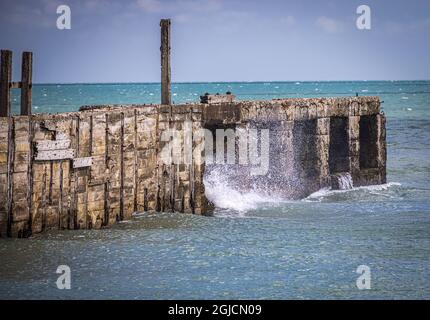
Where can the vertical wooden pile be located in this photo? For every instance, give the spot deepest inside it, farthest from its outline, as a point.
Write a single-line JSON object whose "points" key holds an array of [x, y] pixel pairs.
{"points": [[5, 137], [165, 62], [98, 186], [15, 151], [198, 200], [354, 140], [128, 163], [4, 130], [322, 150], [114, 138], [147, 191]]}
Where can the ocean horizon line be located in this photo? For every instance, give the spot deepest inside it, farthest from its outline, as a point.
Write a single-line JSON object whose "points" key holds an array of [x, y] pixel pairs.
{"points": [[222, 82]]}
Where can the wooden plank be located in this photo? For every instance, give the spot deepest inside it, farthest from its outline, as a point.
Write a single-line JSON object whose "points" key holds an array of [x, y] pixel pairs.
{"points": [[26, 83], [5, 79], [165, 62], [82, 162], [46, 155], [15, 85], [52, 145], [10, 167]]}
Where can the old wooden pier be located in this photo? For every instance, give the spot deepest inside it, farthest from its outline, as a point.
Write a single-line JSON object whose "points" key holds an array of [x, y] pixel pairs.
{"points": [[97, 166]]}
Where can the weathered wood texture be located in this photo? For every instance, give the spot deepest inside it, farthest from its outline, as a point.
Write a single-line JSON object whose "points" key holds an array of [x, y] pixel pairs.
{"points": [[6, 83], [92, 168], [46, 155], [165, 62], [15, 85], [26, 82], [4, 197], [82, 162], [49, 145], [5, 80]]}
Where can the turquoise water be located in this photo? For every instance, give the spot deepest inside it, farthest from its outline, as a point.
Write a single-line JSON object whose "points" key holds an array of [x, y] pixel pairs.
{"points": [[256, 248], [56, 98]]}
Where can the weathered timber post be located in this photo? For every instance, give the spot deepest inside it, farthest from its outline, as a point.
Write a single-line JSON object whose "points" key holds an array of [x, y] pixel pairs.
{"points": [[5, 80], [165, 62], [26, 83], [19, 155], [6, 83]]}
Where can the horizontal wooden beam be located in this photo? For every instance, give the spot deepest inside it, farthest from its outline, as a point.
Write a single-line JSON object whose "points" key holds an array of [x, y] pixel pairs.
{"points": [[82, 162], [46, 155], [15, 85], [52, 145]]}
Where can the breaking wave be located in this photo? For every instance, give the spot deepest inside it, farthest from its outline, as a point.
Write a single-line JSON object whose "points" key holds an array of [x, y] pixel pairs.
{"points": [[355, 193], [226, 194]]}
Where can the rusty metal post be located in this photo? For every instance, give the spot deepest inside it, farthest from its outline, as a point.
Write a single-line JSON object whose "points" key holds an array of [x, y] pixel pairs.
{"points": [[165, 62]]}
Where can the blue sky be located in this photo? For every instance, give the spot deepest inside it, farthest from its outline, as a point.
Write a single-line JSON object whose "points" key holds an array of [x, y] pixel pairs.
{"points": [[220, 40]]}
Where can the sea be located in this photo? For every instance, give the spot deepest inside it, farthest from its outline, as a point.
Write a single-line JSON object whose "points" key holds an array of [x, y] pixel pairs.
{"points": [[361, 243]]}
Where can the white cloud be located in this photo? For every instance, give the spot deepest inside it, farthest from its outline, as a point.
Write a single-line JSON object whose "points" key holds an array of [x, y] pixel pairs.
{"points": [[182, 18], [329, 25], [288, 20], [179, 6], [27, 15], [200, 5], [152, 6], [394, 27]]}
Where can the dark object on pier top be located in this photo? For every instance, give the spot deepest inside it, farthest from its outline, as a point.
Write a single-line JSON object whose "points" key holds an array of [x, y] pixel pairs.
{"points": [[217, 98]]}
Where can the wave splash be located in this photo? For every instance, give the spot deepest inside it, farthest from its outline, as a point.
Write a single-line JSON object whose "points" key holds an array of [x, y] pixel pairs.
{"points": [[224, 190], [375, 190], [226, 194]]}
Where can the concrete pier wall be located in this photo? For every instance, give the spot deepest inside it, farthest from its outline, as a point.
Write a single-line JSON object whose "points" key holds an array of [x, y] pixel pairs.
{"points": [[91, 168]]}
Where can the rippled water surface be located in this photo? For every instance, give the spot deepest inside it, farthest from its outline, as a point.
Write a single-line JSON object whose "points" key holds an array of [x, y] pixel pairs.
{"points": [[254, 247]]}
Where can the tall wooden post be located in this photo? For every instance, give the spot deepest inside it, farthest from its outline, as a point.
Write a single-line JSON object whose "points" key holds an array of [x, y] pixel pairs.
{"points": [[26, 83], [5, 80], [165, 62]]}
